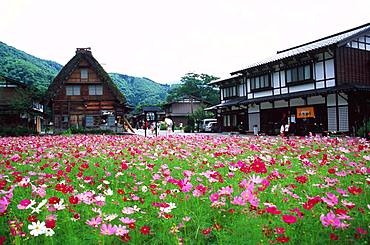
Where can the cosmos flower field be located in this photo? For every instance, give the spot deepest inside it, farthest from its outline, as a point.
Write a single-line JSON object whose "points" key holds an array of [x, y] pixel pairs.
{"points": [[87, 189]]}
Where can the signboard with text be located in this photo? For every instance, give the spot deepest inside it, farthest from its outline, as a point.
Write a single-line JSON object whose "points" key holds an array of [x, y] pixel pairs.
{"points": [[305, 112]]}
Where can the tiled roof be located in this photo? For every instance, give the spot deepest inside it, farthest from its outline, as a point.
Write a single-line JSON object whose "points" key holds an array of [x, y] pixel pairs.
{"points": [[320, 43]]}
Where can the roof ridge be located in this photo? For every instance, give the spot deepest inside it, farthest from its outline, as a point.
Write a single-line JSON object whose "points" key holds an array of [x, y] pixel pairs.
{"points": [[323, 38]]}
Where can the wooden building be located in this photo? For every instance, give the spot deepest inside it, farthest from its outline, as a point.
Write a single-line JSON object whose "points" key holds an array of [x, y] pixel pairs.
{"points": [[321, 86], [83, 95], [179, 110], [30, 117]]}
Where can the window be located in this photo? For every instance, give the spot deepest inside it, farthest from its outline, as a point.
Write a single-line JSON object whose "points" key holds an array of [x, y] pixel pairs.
{"points": [[229, 92], [84, 73], [227, 120], [73, 90], [89, 121], [65, 119], [260, 82], [297, 74], [95, 89]]}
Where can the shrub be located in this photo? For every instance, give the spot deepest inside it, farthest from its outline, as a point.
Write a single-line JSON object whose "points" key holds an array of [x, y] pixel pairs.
{"points": [[17, 131]]}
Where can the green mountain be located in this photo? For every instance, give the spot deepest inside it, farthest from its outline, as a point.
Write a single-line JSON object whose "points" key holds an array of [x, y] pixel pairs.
{"points": [[29, 69], [140, 90]]}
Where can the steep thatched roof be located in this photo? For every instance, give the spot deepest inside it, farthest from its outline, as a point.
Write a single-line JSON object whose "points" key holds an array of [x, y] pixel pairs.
{"points": [[63, 75]]}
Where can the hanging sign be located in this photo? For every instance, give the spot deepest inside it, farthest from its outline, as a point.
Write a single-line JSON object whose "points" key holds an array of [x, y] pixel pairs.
{"points": [[305, 112]]}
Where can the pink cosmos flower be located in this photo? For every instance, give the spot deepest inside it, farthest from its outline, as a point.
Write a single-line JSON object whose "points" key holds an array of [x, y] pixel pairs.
{"points": [[127, 220], [330, 219], [185, 185], [94, 222], [15, 158], [24, 204], [214, 197], [331, 199], [107, 229], [120, 230], [238, 201], [226, 190]]}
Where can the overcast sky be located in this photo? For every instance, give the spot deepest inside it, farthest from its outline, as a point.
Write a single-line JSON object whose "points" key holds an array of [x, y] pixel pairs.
{"points": [[165, 39]]}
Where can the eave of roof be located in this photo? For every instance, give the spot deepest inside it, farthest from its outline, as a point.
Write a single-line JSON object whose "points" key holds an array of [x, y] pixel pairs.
{"points": [[337, 39]]}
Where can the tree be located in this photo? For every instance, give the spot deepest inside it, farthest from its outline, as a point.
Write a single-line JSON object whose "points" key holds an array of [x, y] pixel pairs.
{"points": [[196, 85], [23, 102]]}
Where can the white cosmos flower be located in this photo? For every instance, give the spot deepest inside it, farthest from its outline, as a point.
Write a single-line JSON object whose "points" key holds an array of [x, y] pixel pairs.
{"points": [[106, 182], [255, 179], [37, 228], [100, 198], [49, 232], [144, 188], [99, 187], [110, 217], [165, 210], [38, 208], [60, 205], [172, 205], [108, 192]]}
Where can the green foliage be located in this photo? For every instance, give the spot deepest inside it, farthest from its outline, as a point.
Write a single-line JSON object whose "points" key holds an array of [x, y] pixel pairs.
{"points": [[22, 103], [73, 130], [199, 114], [17, 131], [364, 130], [195, 85]]}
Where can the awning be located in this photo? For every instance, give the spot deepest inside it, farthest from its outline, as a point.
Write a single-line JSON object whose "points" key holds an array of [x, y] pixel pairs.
{"points": [[324, 91], [231, 102]]}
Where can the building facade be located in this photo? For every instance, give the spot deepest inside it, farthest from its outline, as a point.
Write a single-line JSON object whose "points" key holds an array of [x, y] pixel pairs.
{"points": [[321, 86], [179, 110], [30, 116], [83, 95]]}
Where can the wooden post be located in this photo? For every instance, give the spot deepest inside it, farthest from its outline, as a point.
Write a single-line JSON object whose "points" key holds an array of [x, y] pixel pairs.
{"points": [[156, 123], [145, 122]]}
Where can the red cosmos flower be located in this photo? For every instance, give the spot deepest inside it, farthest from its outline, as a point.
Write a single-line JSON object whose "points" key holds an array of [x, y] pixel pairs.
{"points": [[289, 219], [168, 216], [331, 171], [333, 237], [124, 166], [280, 230], [340, 211], [207, 231], [2, 184], [50, 223], [354, 190], [301, 179], [53, 200], [76, 216], [120, 191], [273, 210], [361, 231], [132, 226], [32, 218], [73, 200], [145, 230], [258, 166], [282, 239], [2, 240], [125, 238]]}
